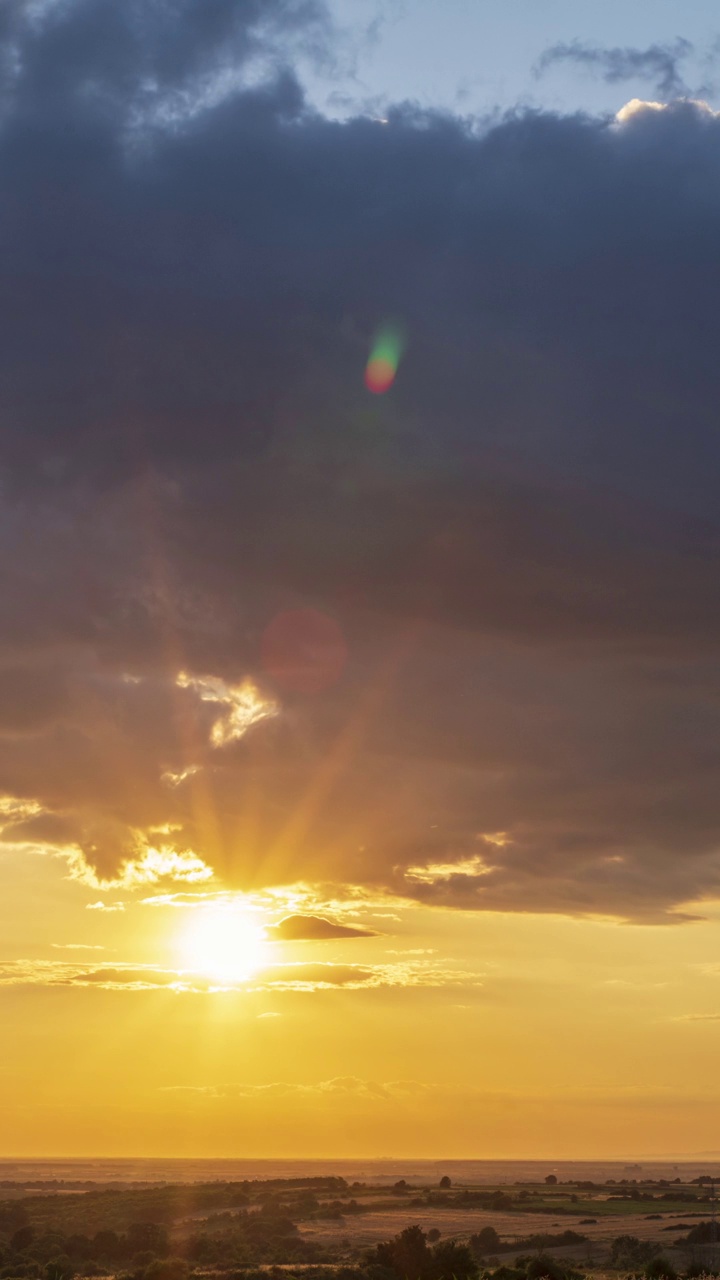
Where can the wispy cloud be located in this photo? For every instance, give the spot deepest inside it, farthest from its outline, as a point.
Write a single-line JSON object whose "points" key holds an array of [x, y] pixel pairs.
{"points": [[658, 64], [243, 706], [340, 1086], [697, 1017], [77, 946], [434, 872]]}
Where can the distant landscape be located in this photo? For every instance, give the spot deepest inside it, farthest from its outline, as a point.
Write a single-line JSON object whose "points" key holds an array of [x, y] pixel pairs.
{"points": [[64, 1219]]}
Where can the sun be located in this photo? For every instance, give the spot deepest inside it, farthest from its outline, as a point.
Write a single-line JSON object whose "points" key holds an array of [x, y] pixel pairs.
{"points": [[224, 943]]}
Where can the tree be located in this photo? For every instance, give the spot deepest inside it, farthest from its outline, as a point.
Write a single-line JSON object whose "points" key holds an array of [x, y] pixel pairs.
{"points": [[545, 1268], [408, 1257], [551, 1180], [702, 1233], [628, 1252], [660, 1269], [500, 1200], [445, 1183], [142, 1236], [59, 1269], [22, 1239], [433, 1235], [485, 1242], [453, 1261], [106, 1244], [167, 1269], [13, 1216]]}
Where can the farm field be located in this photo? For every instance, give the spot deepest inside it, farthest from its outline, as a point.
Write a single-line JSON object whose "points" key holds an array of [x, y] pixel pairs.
{"points": [[344, 1230]]}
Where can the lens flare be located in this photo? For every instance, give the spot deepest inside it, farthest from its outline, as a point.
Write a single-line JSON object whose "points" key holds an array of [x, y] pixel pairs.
{"points": [[304, 650], [384, 359]]}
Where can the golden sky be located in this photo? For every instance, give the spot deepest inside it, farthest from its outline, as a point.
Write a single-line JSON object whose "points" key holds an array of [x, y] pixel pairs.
{"points": [[168, 1024]]}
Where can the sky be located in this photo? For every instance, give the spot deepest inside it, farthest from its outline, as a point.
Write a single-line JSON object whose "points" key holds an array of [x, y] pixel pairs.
{"points": [[359, 724]]}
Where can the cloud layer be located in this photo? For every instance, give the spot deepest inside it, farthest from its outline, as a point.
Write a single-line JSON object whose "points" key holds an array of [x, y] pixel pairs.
{"points": [[273, 977], [492, 593]]}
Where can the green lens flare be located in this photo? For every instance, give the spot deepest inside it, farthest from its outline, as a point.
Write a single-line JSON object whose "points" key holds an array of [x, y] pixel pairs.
{"points": [[385, 355]]}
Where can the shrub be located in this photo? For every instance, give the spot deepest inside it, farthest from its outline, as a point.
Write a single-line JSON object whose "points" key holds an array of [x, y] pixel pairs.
{"points": [[484, 1242], [166, 1269], [628, 1252], [660, 1269], [545, 1268]]}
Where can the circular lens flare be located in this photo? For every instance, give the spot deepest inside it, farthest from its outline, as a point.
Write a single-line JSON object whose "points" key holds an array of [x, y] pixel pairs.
{"points": [[304, 650], [379, 375], [382, 365]]}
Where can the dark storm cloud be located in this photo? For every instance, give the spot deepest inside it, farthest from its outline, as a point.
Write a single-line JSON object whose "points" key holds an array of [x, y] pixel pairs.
{"points": [[658, 65], [520, 542]]}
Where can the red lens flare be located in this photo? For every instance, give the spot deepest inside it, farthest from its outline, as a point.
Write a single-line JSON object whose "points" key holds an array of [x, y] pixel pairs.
{"points": [[304, 650], [379, 375], [384, 358]]}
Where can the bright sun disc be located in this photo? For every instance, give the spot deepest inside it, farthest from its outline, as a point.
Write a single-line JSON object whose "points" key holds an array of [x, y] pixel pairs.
{"points": [[225, 944]]}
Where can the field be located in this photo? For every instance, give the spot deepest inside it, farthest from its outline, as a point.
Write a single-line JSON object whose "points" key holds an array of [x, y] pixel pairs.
{"points": [[167, 1232]]}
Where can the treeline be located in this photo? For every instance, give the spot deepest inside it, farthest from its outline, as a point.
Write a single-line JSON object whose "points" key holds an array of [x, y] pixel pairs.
{"points": [[487, 1242], [249, 1239], [94, 1210]]}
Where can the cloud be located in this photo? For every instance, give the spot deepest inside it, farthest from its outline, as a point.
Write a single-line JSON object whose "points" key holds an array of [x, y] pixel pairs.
{"points": [[244, 708], [698, 1017], [307, 928], [342, 1087], [518, 544], [300, 978], [150, 866], [659, 64], [77, 946]]}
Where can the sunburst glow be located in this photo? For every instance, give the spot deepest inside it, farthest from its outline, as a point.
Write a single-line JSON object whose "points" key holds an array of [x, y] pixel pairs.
{"points": [[225, 944]]}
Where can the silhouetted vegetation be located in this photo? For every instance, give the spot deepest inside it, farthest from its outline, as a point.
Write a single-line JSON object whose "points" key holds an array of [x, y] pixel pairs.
{"points": [[409, 1257], [243, 1230], [701, 1233]]}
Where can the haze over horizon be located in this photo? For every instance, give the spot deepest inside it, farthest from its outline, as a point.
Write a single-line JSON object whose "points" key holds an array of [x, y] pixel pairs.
{"points": [[359, 551]]}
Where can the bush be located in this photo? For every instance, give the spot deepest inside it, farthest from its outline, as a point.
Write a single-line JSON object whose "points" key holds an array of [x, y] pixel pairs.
{"points": [[166, 1269], [660, 1269], [408, 1257], [628, 1252], [59, 1269], [702, 1233], [545, 1268], [484, 1242]]}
